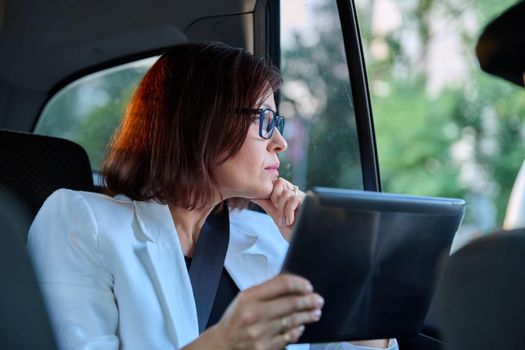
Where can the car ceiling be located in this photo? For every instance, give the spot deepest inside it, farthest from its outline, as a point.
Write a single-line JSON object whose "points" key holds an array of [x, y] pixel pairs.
{"points": [[45, 44]]}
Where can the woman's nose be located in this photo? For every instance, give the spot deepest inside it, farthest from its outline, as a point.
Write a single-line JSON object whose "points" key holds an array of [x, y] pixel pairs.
{"points": [[277, 143]]}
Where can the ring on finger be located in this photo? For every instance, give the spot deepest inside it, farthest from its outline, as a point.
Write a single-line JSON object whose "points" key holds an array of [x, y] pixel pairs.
{"points": [[286, 337], [295, 190], [284, 322]]}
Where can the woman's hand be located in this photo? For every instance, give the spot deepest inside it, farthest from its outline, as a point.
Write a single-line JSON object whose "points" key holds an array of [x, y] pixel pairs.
{"points": [[283, 205], [377, 343], [268, 316]]}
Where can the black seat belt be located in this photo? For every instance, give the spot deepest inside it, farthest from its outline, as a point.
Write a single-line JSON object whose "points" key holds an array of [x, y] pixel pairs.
{"points": [[208, 261]]}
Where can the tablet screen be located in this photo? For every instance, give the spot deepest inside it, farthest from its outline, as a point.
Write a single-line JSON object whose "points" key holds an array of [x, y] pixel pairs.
{"points": [[373, 258]]}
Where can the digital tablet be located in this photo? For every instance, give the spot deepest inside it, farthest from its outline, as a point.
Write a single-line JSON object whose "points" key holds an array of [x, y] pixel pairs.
{"points": [[373, 257]]}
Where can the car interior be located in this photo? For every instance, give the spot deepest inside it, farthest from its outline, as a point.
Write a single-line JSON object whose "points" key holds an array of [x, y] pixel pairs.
{"points": [[47, 46]]}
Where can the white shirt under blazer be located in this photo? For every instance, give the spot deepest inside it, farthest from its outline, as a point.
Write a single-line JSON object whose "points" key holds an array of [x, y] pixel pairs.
{"points": [[113, 274]]}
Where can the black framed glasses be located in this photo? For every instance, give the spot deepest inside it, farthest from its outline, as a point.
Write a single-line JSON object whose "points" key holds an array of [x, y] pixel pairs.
{"points": [[268, 121]]}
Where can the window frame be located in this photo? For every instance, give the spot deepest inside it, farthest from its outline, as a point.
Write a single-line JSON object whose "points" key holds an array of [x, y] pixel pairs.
{"points": [[358, 82]]}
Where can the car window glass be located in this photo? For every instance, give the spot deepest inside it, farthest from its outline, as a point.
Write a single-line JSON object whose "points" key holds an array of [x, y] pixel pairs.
{"points": [[88, 110], [443, 127], [316, 98]]}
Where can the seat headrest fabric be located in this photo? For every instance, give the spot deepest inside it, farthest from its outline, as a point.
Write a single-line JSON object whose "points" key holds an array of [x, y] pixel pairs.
{"points": [[34, 166]]}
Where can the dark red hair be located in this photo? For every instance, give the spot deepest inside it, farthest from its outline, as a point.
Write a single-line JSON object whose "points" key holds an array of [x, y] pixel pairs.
{"points": [[182, 120]]}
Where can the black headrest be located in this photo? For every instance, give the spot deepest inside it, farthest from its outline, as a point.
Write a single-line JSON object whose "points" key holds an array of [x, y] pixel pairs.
{"points": [[501, 46], [483, 294], [34, 166]]}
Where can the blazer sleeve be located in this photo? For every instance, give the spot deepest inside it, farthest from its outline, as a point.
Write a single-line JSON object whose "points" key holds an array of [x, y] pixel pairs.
{"points": [[76, 284]]}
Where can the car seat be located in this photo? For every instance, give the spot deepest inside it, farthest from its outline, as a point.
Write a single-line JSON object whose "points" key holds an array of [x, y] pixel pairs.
{"points": [[31, 168], [34, 166], [24, 324], [482, 294]]}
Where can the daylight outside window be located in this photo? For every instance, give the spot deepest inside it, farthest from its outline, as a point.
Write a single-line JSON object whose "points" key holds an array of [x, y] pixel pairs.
{"points": [[443, 127], [88, 110], [316, 98]]}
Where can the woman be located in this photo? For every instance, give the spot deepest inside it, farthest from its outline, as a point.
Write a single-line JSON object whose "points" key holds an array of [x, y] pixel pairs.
{"points": [[200, 130]]}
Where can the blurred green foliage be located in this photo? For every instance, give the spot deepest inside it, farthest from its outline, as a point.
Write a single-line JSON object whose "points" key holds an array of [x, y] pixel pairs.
{"points": [[332, 153], [467, 140], [89, 110]]}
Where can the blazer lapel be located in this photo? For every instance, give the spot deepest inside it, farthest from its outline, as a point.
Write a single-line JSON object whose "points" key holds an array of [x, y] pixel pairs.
{"points": [[162, 257], [256, 250]]}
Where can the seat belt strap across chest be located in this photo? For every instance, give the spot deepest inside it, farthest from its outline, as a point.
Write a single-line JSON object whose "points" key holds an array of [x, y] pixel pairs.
{"points": [[208, 262]]}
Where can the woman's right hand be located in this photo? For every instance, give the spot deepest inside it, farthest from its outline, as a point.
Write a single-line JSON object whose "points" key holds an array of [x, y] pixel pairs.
{"points": [[268, 316]]}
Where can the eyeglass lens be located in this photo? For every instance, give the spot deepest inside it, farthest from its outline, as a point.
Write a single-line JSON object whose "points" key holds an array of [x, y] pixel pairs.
{"points": [[269, 121]]}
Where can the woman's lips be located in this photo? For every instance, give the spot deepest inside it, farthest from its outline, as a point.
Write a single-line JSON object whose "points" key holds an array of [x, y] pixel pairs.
{"points": [[274, 169]]}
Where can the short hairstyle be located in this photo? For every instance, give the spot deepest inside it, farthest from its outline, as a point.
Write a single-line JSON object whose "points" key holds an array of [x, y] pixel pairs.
{"points": [[182, 120]]}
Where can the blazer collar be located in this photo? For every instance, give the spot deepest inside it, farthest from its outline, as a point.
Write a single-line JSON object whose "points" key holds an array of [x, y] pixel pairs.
{"points": [[156, 221], [161, 255], [256, 250]]}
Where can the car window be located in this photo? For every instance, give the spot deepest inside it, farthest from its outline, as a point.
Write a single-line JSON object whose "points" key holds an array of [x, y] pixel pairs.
{"points": [[443, 127], [316, 97], [88, 110]]}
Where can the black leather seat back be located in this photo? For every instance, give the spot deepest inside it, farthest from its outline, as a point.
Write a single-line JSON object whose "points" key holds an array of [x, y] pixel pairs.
{"points": [[483, 294], [34, 166], [24, 324]]}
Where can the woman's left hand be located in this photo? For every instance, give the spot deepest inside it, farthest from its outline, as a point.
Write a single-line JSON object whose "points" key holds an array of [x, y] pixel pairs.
{"points": [[283, 205]]}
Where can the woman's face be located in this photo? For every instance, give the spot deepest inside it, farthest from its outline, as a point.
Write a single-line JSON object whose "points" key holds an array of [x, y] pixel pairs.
{"points": [[250, 173]]}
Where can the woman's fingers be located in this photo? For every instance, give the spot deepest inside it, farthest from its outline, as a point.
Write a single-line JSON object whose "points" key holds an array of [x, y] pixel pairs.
{"points": [[293, 310], [284, 330], [285, 311], [280, 202], [270, 315], [282, 205], [285, 323], [289, 208], [281, 340], [286, 198]]}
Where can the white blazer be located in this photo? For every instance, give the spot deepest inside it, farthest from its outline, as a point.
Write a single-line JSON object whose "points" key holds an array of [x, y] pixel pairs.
{"points": [[113, 274]]}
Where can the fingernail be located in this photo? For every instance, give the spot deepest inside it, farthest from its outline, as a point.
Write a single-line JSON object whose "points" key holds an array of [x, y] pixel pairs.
{"points": [[316, 313], [301, 329], [309, 287], [319, 301]]}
